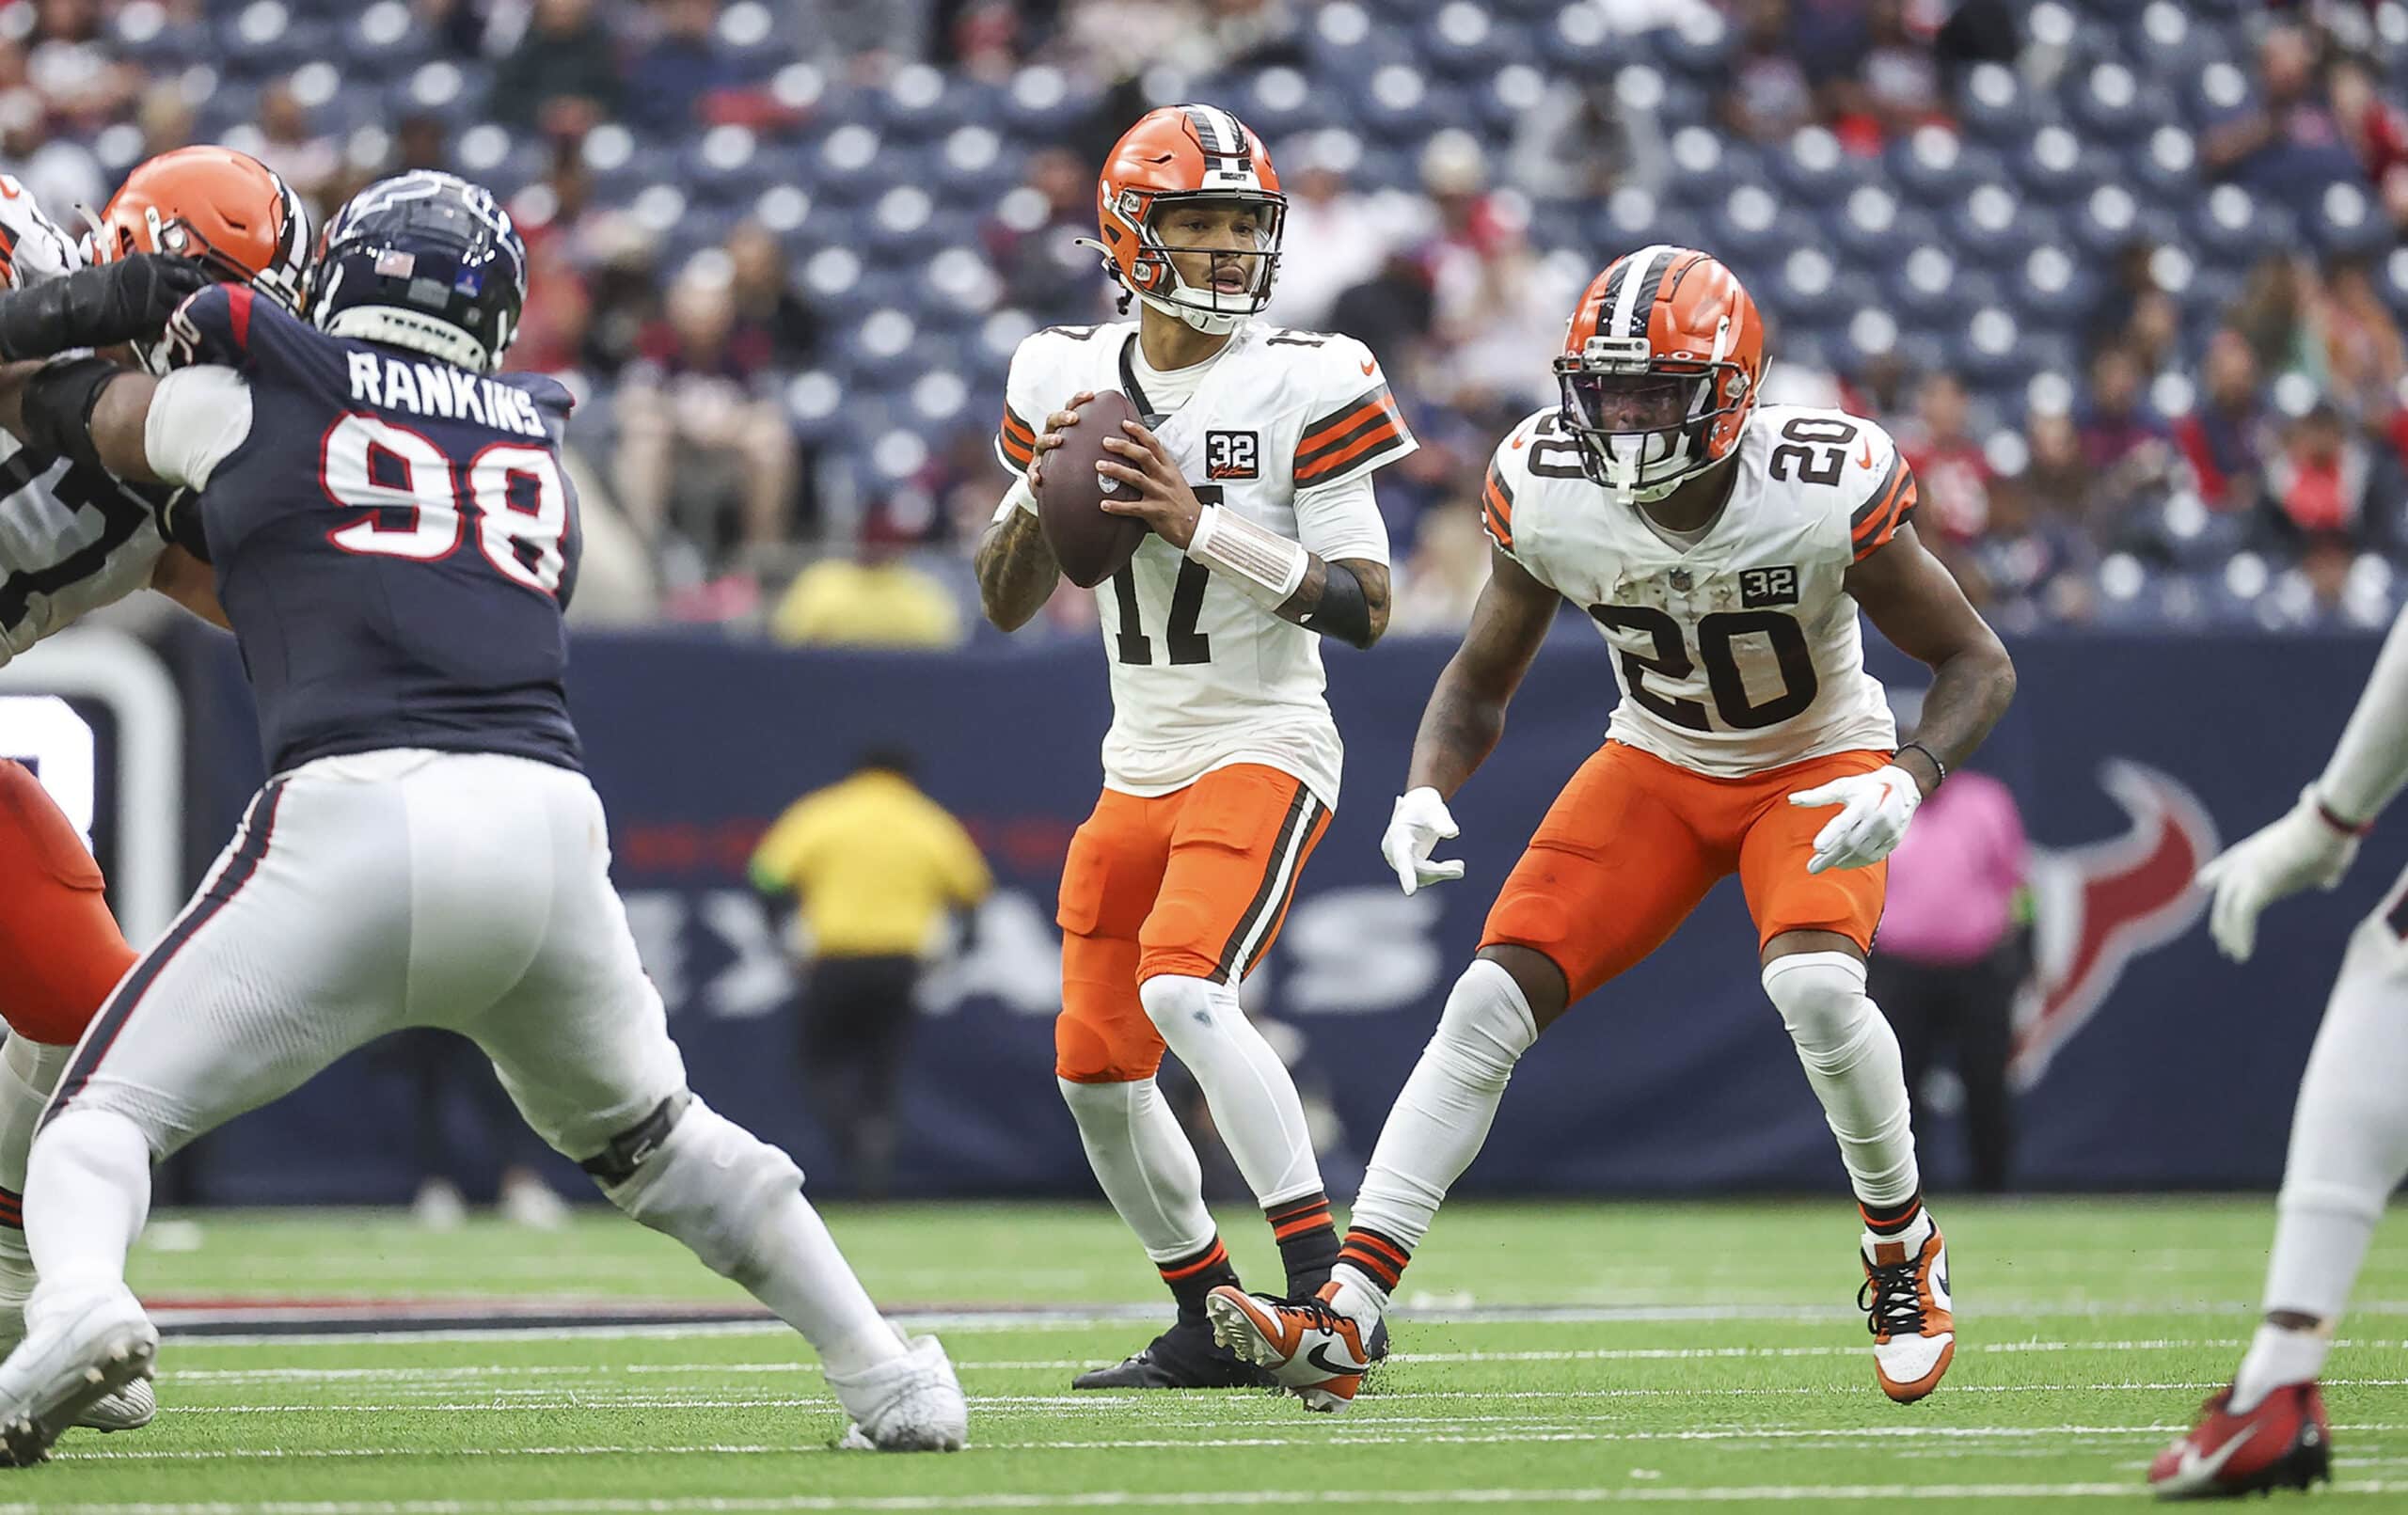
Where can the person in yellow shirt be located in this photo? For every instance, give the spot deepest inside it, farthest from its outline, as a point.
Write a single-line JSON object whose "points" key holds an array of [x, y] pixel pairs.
{"points": [[877, 866]]}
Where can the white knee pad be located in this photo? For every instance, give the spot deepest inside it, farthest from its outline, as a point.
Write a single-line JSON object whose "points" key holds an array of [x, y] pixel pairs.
{"points": [[1821, 999], [709, 1183], [1487, 1024], [1174, 1002]]}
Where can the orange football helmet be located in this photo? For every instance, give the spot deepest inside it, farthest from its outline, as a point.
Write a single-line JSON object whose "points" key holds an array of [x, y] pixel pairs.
{"points": [[1181, 155], [1660, 370], [225, 208]]}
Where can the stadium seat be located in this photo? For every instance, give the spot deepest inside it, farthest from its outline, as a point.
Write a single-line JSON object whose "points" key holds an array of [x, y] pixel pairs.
{"points": [[1993, 106], [920, 105], [2348, 223], [1811, 167], [1872, 231], [2053, 167], [968, 161], [846, 168], [1933, 166], [1043, 103], [2112, 105], [1698, 43], [1461, 41], [749, 41], [2052, 289], [2234, 229], [1580, 41]]}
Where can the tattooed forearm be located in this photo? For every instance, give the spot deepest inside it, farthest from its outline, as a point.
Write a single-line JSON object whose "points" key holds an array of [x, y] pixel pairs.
{"points": [[1016, 571]]}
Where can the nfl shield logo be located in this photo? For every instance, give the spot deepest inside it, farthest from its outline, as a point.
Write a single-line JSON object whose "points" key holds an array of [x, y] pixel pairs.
{"points": [[1681, 581], [392, 263]]}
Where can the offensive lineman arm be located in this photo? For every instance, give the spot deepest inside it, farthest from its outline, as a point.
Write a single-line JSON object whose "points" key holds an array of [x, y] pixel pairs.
{"points": [[1914, 601], [1466, 715], [2315, 841]]}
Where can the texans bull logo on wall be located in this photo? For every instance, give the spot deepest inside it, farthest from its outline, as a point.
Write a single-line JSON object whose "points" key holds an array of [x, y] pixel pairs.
{"points": [[2099, 907]]}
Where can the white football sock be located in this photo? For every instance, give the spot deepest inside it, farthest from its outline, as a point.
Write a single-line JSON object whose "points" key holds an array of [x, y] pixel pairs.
{"points": [[1145, 1162], [87, 1191], [29, 1071], [1851, 1058], [1253, 1100], [2349, 1147], [2278, 1356], [1443, 1114], [810, 1286]]}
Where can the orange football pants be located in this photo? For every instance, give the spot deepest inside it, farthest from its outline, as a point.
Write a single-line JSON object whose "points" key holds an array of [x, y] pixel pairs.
{"points": [[60, 950], [1633, 843], [1195, 883]]}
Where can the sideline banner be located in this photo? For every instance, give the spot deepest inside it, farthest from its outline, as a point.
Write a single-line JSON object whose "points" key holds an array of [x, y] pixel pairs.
{"points": [[2146, 1060]]}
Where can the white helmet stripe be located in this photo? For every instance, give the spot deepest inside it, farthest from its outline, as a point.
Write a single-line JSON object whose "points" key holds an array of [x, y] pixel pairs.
{"points": [[1633, 278]]}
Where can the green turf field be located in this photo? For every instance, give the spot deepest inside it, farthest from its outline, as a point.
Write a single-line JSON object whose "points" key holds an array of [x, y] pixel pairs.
{"points": [[1699, 1354]]}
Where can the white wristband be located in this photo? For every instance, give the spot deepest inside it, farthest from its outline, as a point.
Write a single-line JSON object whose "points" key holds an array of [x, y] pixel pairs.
{"points": [[1266, 564], [1019, 498]]}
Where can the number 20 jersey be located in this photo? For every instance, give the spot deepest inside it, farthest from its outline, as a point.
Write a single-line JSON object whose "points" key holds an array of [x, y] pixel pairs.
{"points": [[1203, 676], [394, 540], [1741, 653]]}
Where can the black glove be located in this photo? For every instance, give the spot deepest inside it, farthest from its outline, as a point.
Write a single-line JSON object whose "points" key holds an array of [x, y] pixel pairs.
{"points": [[120, 301]]}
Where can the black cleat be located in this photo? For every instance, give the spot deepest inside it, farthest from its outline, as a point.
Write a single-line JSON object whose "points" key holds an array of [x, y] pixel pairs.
{"points": [[1183, 1357]]}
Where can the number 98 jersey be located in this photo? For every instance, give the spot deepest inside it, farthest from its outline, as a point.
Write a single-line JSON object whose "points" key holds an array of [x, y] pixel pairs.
{"points": [[394, 537], [1282, 427], [1740, 652]]}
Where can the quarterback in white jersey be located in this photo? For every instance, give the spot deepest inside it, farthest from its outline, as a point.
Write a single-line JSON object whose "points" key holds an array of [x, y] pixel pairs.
{"points": [[1724, 551], [1252, 469]]}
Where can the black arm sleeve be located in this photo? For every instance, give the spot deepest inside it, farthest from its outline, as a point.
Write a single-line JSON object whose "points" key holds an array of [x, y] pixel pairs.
{"points": [[120, 301], [1344, 612], [58, 404]]}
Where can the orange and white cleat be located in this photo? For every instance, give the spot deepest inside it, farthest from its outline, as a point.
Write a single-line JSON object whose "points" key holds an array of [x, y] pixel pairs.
{"points": [[2282, 1441], [1905, 1300], [1313, 1351]]}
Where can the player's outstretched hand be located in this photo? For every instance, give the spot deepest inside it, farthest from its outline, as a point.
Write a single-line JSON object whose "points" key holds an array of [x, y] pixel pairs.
{"points": [[2303, 848], [1875, 809], [37, 250], [120, 301], [1415, 827]]}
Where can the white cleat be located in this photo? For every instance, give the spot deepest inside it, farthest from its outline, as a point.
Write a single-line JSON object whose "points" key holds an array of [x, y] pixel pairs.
{"points": [[1313, 1349], [910, 1403], [128, 1409], [1904, 1298], [78, 1351]]}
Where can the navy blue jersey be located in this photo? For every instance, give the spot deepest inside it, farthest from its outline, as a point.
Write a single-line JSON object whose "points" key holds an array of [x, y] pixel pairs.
{"points": [[394, 542]]}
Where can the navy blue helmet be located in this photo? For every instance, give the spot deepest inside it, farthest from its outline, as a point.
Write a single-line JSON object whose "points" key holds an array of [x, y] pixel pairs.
{"points": [[423, 260]]}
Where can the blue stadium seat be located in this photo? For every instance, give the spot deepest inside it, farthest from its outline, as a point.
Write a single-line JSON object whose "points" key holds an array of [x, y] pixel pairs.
{"points": [[1043, 103], [1872, 230], [2052, 289], [725, 166], [2233, 229], [754, 39], [2166, 167], [1751, 228], [1343, 42], [1461, 41], [2115, 104], [385, 40], [2348, 222], [1995, 226], [846, 167], [1928, 287], [1994, 106], [1281, 103], [970, 160], [2111, 217], [149, 35], [1933, 166], [2391, 277], [2052, 165], [920, 105], [1811, 291], [1811, 169], [1699, 44], [1707, 166], [1580, 41]]}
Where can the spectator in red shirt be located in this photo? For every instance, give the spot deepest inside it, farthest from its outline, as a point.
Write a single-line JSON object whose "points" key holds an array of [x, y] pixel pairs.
{"points": [[2227, 437], [2317, 484], [1950, 467], [2376, 131]]}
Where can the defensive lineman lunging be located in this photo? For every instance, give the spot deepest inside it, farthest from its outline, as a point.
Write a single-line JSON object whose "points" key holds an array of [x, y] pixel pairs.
{"points": [[393, 537], [1724, 550]]}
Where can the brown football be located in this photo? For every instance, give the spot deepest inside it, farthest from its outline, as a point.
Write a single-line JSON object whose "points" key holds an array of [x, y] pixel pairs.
{"points": [[1090, 545]]}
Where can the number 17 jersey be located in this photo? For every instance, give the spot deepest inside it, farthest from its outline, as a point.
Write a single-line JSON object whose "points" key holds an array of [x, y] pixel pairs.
{"points": [[1283, 428], [1738, 652]]}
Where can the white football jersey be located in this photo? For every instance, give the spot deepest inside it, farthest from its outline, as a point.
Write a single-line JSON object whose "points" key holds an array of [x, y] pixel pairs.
{"points": [[71, 539], [1285, 429], [1740, 653]]}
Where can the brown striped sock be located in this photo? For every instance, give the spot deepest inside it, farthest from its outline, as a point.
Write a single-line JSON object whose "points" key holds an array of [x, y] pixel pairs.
{"points": [[1196, 1275], [1308, 1242], [1382, 1259]]}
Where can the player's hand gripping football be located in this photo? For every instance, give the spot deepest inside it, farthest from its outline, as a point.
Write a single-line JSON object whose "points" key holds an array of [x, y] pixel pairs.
{"points": [[1051, 437], [1875, 809], [2280, 860], [33, 249], [1162, 500], [1417, 825]]}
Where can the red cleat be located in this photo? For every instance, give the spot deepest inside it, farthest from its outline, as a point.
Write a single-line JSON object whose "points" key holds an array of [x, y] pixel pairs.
{"points": [[2283, 1443]]}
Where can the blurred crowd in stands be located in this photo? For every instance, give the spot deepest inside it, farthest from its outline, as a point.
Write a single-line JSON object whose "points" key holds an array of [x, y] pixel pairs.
{"points": [[782, 249]]}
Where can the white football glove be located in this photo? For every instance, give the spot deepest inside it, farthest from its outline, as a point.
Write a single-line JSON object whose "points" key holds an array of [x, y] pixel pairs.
{"points": [[2300, 849], [35, 250], [1875, 809], [1415, 827]]}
